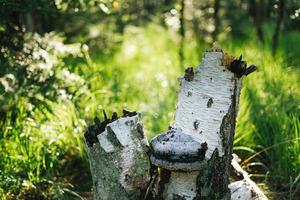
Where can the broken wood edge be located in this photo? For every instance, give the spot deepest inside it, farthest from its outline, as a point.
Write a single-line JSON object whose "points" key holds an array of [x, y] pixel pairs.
{"points": [[119, 161], [244, 189], [206, 109], [99, 126]]}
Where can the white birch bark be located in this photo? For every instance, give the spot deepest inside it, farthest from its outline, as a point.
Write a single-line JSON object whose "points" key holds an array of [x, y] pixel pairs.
{"points": [[194, 156], [206, 101], [206, 110], [119, 163]]}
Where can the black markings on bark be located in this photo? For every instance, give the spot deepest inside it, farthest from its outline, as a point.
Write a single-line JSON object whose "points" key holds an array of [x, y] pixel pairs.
{"points": [[127, 178], [227, 129], [253, 194], [210, 102], [114, 116], [139, 129], [99, 126], [228, 123], [127, 113], [202, 151], [91, 133], [189, 74], [164, 178], [113, 138], [196, 124]]}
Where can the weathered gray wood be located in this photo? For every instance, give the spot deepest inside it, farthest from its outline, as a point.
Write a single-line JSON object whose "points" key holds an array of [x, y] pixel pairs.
{"points": [[119, 163], [244, 189]]}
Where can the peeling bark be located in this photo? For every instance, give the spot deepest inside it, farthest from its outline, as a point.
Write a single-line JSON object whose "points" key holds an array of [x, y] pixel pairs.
{"points": [[119, 163]]}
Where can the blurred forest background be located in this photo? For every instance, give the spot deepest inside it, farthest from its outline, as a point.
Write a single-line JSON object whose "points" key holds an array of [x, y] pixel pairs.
{"points": [[63, 61]]}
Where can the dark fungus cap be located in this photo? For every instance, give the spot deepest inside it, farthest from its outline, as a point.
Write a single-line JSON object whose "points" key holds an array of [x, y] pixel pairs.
{"points": [[175, 150]]}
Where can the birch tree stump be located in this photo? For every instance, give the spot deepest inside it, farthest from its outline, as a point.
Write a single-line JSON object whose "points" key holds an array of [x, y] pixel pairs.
{"points": [[194, 156], [206, 111], [119, 163]]}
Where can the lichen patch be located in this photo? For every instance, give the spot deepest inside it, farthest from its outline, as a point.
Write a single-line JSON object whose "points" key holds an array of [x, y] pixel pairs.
{"points": [[227, 59]]}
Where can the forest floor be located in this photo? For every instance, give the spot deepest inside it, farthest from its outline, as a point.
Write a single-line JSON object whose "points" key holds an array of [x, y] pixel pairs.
{"points": [[141, 74]]}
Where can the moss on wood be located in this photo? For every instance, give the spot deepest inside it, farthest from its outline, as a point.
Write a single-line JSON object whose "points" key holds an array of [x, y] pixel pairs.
{"points": [[212, 182]]}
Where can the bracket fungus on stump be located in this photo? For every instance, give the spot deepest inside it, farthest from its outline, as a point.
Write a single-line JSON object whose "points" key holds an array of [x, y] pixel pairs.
{"points": [[195, 156], [180, 158], [175, 150]]}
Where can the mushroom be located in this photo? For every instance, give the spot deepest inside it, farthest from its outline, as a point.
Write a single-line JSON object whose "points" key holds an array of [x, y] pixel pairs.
{"points": [[180, 156], [175, 150]]}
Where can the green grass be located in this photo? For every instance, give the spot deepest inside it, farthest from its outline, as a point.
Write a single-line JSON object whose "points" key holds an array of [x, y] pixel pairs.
{"points": [[141, 74], [269, 120]]}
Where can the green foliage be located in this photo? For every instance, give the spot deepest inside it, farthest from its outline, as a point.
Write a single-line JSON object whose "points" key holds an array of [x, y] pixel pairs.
{"points": [[142, 75], [35, 83], [50, 90], [269, 117], [268, 123], [269, 113]]}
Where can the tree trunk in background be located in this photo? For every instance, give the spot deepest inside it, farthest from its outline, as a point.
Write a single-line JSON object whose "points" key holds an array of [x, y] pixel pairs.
{"points": [[256, 10], [119, 21], [216, 19], [196, 30], [182, 34], [36, 22], [281, 11], [29, 22], [269, 8]]}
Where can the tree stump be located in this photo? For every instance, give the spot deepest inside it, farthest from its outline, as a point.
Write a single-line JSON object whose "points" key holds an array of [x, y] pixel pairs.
{"points": [[192, 158], [206, 111], [119, 163]]}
